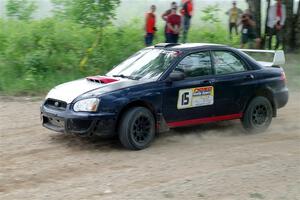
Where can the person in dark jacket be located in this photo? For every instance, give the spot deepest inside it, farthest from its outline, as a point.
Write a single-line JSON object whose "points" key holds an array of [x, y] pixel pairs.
{"points": [[248, 34]]}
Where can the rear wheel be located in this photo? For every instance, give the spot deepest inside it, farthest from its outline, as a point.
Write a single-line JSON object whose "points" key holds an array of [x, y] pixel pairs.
{"points": [[137, 128], [258, 115]]}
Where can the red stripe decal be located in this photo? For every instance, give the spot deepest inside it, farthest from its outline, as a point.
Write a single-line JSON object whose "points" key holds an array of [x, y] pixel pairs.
{"points": [[205, 120]]}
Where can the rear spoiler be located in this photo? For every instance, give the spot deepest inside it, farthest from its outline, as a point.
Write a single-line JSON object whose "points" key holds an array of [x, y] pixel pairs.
{"points": [[278, 58]]}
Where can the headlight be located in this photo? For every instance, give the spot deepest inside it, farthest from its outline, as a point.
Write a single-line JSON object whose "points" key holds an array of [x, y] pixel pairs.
{"points": [[87, 105]]}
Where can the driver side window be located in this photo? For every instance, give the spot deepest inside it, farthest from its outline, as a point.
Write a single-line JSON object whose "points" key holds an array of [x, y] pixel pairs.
{"points": [[197, 64]]}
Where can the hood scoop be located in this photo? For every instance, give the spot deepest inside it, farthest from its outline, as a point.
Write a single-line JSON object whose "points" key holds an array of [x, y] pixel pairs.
{"points": [[101, 79]]}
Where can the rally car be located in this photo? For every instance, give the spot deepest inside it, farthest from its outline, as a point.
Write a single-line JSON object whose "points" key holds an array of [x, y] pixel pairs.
{"points": [[167, 86]]}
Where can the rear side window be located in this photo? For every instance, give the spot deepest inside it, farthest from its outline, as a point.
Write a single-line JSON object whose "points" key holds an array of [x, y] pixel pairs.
{"points": [[196, 64], [226, 62]]}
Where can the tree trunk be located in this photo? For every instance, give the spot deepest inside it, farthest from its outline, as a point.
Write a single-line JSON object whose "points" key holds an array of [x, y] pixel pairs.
{"points": [[297, 30], [289, 36], [255, 6]]}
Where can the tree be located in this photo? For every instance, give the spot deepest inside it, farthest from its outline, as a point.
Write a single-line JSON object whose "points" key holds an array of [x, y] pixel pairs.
{"points": [[289, 32], [20, 9], [96, 14], [93, 13], [297, 24]]}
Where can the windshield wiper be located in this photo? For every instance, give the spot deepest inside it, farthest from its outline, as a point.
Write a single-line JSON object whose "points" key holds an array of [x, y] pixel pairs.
{"points": [[124, 76]]}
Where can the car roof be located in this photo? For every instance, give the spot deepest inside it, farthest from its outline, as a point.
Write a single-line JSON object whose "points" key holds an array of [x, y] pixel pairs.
{"points": [[186, 46]]}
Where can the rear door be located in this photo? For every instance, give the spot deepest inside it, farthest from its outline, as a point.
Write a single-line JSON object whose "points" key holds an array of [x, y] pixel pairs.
{"points": [[193, 97], [234, 83]]}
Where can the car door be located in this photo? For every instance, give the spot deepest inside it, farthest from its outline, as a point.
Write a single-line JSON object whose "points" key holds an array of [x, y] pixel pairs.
{"points": [[187, 100], [234, 83]]}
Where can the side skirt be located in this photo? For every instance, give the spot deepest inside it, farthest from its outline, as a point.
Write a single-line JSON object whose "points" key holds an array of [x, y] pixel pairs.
{"points": [[204, 120]]}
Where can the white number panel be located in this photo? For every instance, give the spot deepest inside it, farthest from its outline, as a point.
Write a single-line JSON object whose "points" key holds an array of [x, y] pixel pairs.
{"points": [[195, 97]]}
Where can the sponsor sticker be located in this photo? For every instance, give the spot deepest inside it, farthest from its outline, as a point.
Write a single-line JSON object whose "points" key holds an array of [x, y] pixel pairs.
{"points": [[195, 97]]}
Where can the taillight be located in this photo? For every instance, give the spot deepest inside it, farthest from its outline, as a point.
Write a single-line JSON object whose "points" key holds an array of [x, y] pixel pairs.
{"points": [[283, 77]]}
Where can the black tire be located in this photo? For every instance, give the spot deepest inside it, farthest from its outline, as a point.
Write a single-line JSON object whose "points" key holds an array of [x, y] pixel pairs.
{"points": [[258, 115], [137, 128]]}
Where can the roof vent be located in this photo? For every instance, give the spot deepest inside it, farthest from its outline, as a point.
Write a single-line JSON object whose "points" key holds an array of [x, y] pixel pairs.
{"points": [[101, 79], [165, 45]]}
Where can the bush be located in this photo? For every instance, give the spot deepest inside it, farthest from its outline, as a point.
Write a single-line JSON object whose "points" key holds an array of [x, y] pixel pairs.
{"points": [[37, 55]]}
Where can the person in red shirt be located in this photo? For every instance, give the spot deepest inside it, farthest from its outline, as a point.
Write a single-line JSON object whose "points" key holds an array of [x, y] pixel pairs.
{"points": [[187, 13], [165, 15], [173, 26], [150, 26]]}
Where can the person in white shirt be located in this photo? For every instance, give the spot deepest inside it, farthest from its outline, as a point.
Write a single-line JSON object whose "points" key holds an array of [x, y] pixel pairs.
{"points": [[276, 22]]}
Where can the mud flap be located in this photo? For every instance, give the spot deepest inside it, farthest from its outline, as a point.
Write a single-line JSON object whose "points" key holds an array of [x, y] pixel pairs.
{"points": [[162, 125]]}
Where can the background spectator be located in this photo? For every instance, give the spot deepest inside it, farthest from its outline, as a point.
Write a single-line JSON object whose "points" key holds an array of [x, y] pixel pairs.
{"points": [[165, 15], [276, 22], [173, 26], [186, 12], [234, 14], [249, 35], [150, 26]]}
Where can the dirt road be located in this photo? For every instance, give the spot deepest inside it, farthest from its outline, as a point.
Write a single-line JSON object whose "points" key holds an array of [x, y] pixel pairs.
{"points": [[216, 161]]}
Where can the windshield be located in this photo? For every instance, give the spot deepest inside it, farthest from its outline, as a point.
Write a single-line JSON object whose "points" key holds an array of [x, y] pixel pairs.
{"points": [[145, 64]]}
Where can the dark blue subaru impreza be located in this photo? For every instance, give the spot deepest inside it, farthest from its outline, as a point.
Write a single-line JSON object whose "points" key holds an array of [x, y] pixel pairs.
{"points": [[167, 86]]}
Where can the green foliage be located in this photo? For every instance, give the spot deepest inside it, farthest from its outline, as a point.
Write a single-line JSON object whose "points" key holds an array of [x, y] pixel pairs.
{"points": [[38, 55], [20, 9], [96, 14], [211, 14], [93, 13]]}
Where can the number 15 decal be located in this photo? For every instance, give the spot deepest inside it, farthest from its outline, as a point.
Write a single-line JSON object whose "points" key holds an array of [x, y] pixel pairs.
{"points": [[195, 97], [184, 99]]}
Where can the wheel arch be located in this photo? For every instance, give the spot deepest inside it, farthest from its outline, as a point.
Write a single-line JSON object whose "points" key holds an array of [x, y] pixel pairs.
{"points": [[267, 93], [132, 104]]}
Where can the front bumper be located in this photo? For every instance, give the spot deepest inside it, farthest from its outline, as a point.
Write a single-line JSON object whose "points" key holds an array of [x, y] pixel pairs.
{"points": [[79, 123]]}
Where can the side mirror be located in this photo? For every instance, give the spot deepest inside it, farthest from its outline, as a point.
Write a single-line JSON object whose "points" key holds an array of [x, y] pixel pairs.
{"points": [[176, 76]]}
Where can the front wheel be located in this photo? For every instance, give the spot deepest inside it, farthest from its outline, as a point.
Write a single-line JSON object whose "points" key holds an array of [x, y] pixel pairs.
{"points": [[137, 128], [258, 115]]}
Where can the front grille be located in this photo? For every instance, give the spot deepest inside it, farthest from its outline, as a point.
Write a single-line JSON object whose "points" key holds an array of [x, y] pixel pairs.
{"points": [[56, 104], [55, 124], [54, 121], [79, 125]]}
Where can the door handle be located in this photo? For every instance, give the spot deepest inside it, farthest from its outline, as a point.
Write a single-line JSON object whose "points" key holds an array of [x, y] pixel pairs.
{"points": [[249, 77], [208, 82]]}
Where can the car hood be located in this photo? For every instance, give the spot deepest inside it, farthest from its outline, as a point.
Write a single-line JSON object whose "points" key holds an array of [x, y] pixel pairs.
{"points": [[67, 92], [90, 86]]}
